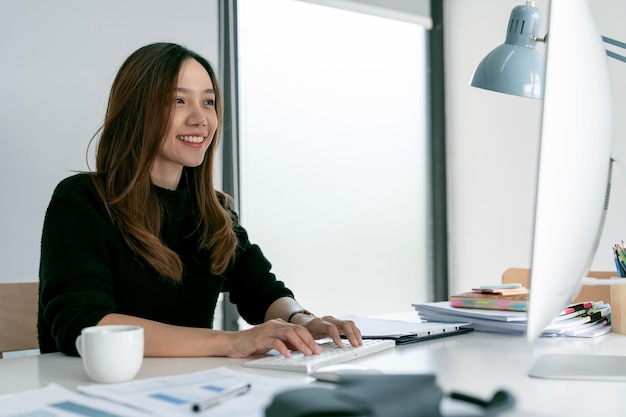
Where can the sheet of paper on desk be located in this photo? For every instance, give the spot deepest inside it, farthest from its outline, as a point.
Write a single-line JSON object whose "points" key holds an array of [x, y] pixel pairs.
{"points": [[56, 401], [443, 307], [174, 395], [384, 328]]}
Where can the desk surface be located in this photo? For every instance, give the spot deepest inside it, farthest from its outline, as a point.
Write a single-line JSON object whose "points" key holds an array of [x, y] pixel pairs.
{"points": [[476, 363]]}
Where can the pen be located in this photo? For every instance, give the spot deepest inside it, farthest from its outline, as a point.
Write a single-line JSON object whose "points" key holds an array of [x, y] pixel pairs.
{"points": [[222, 396], [619, 272], [621, 256]]}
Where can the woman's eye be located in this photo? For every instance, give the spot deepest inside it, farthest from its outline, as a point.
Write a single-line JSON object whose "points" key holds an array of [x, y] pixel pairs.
{"points": [[179, 100], [210, 102]]}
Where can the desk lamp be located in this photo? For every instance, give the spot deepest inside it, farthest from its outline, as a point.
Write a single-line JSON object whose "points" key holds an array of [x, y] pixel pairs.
{"points": [[515, 67], [574, 169]]}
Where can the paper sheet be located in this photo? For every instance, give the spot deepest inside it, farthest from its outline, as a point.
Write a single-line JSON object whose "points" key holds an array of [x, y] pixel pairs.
{"points": [[56, 401], [174, 395]]}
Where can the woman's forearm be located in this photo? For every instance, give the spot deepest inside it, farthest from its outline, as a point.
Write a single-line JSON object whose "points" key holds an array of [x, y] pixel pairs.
{"points": [[162, 339]]}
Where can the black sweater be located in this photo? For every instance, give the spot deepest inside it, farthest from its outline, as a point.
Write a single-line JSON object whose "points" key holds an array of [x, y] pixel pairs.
{"points": [[87, 271]]}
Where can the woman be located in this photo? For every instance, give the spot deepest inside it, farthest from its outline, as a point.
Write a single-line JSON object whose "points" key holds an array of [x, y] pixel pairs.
{"points": [[147, 240]]}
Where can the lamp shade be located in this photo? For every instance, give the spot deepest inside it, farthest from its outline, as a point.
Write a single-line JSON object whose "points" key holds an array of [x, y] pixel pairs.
{"points": [[515, 67]]}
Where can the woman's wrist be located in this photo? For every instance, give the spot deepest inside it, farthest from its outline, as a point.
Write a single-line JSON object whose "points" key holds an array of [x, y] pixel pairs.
{"points": [[300, 316]]}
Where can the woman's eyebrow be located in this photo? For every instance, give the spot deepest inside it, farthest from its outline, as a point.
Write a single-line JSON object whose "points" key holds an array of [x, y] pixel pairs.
{"points": [[187, 90]]}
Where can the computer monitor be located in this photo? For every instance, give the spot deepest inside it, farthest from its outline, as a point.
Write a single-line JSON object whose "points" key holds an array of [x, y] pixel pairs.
{"points": [[574, 168]]}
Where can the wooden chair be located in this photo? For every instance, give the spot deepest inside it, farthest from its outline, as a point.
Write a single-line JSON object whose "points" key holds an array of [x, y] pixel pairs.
{"points": [[587, 293], [18, 316]]}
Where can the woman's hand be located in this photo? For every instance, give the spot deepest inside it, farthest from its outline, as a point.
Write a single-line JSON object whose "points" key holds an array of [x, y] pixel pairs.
{"points": [[314, 327], [285, 337], [273, 334], [328, 326]]}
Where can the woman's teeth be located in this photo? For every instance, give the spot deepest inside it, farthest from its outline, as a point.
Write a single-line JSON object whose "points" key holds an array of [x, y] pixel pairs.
{"points": [[192, 139]]}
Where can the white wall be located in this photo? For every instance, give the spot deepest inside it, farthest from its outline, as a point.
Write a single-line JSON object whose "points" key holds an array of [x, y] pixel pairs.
{"points": [[58, 61], [492, 148]]}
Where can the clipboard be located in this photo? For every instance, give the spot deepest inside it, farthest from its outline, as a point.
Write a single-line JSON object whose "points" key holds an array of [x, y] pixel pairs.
{"points": [[405, 340], [407, 332]]}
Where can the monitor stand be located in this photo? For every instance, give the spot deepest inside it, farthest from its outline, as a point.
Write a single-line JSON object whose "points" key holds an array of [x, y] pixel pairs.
{"points": [[582, 367]]}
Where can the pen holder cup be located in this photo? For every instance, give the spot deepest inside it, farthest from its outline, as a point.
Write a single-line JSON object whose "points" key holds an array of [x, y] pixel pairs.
{"points": [[618, 309]]}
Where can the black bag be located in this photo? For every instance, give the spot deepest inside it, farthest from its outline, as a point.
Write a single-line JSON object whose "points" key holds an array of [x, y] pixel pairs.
{"points": [[375, 396]]}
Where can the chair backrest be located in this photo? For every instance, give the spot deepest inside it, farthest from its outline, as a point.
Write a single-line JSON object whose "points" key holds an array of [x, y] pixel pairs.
{"points": [[587, 293], [18, 316]]}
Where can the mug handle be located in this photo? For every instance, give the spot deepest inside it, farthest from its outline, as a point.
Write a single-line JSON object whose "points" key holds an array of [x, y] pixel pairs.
{"points": [[79, 345]]}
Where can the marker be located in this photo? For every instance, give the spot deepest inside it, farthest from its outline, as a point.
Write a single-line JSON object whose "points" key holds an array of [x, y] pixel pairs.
{"points": [[222, 396]]}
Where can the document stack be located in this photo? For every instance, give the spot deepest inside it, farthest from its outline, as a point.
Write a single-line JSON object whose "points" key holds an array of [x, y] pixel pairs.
{"points": [[587, 319]]}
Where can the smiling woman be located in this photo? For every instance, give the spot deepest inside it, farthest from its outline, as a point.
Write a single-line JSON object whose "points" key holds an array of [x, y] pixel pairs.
{"points": [[147, 240]]}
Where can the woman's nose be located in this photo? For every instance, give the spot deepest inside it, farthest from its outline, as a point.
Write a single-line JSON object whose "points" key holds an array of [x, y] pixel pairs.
{"points": [[197, 117]]}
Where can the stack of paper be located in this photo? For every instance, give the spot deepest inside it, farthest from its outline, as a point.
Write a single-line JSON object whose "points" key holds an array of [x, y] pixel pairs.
{"points": [[491, 301], [579, 320], [513, 297]]}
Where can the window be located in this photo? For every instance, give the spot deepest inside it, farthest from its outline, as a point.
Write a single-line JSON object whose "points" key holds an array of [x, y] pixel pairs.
{"points": [[333, 153]]}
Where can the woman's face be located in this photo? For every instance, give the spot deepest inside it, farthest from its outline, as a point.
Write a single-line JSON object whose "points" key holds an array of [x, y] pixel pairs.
{"points": [[192, 128]]}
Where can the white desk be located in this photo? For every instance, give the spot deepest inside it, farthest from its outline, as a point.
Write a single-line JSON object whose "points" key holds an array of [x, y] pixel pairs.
{"points": [[476, 363]]}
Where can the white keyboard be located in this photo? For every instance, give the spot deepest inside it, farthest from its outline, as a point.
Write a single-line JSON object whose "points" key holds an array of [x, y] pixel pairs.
{"points": [[331, 354]]}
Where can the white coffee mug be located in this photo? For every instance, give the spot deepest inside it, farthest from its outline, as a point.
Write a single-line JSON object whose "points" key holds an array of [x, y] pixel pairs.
{"points": [[111, 353]]}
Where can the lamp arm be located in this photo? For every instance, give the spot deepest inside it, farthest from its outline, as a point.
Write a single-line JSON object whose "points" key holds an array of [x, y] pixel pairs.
{"points": [[617, 43], [606, 39]]}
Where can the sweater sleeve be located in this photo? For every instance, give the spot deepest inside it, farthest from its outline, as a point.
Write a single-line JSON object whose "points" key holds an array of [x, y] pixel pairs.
{"points": [[250, 282], [76, 286]]}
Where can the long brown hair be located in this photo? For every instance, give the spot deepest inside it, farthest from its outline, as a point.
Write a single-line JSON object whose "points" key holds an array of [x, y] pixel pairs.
{"points": [[138, 115]]}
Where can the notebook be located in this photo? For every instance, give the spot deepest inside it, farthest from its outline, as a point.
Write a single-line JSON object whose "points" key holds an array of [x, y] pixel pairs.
{"points": [[405, 332]]}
